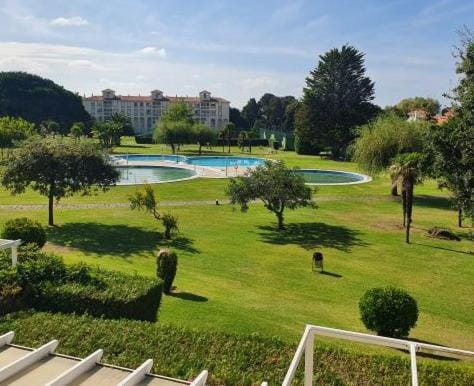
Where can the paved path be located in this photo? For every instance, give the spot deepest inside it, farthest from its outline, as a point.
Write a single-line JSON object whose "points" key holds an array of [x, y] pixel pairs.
{"points": [[321, 198]]}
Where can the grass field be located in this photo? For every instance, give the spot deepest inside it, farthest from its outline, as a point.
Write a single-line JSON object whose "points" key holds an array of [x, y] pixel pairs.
{"points": [[237, 274]]}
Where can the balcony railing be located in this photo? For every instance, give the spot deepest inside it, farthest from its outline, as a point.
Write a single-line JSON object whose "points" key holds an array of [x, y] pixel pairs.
{"points": [[306, 348]]}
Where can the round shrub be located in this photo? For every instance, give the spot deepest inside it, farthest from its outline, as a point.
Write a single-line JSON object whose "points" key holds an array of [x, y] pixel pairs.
{"points": [[388, 311], [25, 229], [166, 267]]}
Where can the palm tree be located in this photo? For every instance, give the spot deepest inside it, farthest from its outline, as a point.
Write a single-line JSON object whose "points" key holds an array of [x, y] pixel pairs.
{"points": [[406, 168]]}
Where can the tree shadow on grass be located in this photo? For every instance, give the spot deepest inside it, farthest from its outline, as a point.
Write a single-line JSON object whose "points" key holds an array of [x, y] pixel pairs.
{"points": [[433, 202], [445, 249], [91, 237], [181, 243], [119, 240], [313, 235], [188, 296]]}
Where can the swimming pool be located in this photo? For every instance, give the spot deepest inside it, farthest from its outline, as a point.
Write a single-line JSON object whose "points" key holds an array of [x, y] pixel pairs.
{"points": [[208, 161], [331, 177], [135, 175]]}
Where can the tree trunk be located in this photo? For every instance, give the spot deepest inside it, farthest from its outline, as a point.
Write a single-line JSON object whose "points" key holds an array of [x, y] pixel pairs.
{"points": [[173, 148], [200, 149], [50, 209], [404, 205], [460, 217], [280, 219], [409, 210], [394, 189]]}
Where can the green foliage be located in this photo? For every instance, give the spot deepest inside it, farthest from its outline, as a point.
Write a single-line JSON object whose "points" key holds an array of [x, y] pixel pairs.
{"points": [[230, 359], [450, 149], [277, 186], [41, 267], [37, 99], [337, 98], [108, 133], [170, 223], [166, 268], [13, 131], [429, 105], [25, 229], [57, 168], [77, 130], [145, 200], [384, 138], [123, 121], [204, 135], [388, 311], [109, 294]]}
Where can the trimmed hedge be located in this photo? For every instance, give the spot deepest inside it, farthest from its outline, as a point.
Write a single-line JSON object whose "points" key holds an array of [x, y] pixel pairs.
{"points": [[231, 359], [110, 294]]}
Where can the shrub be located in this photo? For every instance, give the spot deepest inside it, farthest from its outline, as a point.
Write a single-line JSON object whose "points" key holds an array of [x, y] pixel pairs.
{"points": [[107, 294], [166, 267], [170, 223], [388, 311], [27, 230], [41, 267], [232, 359]]}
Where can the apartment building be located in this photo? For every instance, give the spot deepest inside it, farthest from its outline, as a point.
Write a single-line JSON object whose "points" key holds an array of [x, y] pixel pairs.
{"points": [[145, 111]]}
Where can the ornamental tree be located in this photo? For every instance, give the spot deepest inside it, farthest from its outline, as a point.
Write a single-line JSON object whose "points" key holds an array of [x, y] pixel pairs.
{"points": [[204, 135], [57, 168], [13, 131], [278, 187]]}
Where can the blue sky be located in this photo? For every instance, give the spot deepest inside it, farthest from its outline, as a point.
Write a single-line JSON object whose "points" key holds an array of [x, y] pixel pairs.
{"points": [[235, 49]]}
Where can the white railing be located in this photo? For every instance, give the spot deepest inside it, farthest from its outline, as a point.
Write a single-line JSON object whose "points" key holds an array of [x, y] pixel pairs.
{"points": [[306, 347]]}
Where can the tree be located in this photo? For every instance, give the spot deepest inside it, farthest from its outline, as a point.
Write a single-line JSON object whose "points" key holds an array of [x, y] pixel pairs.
{"points": [[13, 131], [77, 130], [406, 168], [36, 100], [108, 133], [229, 131], [175, 126], [251, 112], [429, 105], [450, 149], [383, 139], [49, 127], [237, 119], [275, 185], [122, 120], [338, 97], [57, 168], [242, 139], [204, 135], [145, 200]]}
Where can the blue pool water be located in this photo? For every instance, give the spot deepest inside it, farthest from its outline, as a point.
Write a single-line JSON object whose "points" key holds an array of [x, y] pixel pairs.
{"points": [[133, 175], [217, 162], [329, 177]]}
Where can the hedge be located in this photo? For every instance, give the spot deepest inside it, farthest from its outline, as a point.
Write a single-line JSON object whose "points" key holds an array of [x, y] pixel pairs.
{"points": [[110, 294], [44, 282], [231, 359]]}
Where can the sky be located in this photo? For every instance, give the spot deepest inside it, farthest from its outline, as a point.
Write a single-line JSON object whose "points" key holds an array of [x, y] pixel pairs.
{"points": [[235, 49]]}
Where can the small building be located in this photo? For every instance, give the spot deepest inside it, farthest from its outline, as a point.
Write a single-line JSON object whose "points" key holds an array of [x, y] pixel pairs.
{"points": [[417, 115]]}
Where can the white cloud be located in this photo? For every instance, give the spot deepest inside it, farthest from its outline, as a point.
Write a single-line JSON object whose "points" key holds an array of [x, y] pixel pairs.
{"points": [[74, 21], [161, 52]]}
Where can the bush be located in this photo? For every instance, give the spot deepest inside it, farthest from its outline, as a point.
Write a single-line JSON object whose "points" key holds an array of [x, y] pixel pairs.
{"points": [[304, 147], [170, 223], [388, 311], [166, 267], [232, 359], [41, 267], [143, 140], [107, 294], [27, 230], [10, 291]]}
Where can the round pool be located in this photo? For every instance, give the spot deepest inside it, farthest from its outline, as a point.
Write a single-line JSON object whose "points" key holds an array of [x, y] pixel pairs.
{"points": [[331, 177], [150, 157], [220, 162], [135, 175]]}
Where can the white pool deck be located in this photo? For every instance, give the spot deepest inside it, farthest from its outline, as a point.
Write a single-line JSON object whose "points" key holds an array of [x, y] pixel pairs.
{"points": [[22, 366]]}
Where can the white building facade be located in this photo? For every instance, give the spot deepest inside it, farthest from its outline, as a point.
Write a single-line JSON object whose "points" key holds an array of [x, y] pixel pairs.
{"points": [[146, 111]]}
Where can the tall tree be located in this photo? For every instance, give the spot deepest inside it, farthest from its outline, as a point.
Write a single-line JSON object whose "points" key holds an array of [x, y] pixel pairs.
{"points": [[383, 139], [204, 135], [175, 126], [237, 119], [337, 98], [36, 100], [251, 112], [278, 187], [57, 168], [124, 122], [407, 168]]}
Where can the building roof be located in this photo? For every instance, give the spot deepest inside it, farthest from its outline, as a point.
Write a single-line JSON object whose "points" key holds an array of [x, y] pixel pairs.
{"points": [[148, 98], [22, 366]]}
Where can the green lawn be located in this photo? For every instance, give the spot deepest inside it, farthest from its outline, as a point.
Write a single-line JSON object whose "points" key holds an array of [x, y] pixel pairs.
{"points": [[237, 274]]}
